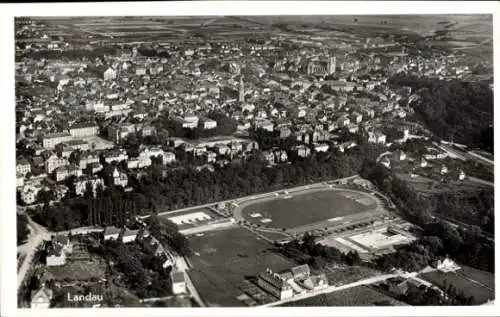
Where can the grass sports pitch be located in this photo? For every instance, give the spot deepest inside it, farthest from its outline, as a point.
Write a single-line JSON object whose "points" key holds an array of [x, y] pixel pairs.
{"points": [[307, 208], [223, 259]]}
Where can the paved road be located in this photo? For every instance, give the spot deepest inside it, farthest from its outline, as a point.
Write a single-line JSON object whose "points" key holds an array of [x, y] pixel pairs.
{"points": [[182, 266], [367, 281], [481, 158], [37, 235], [331, 289], [481, 181], [451, 152]]}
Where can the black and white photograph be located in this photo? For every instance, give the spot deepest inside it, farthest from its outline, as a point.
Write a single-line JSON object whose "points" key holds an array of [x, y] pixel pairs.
{"points": [[179, 160]]}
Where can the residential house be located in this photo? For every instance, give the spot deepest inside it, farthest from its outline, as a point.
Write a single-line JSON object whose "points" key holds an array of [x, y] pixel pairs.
{"points": [[128, 235], [301, 272], [321, 147], [111, 233], [386, 162], [268, 156], [49, 141], [444, 170], [118, 132], [399, 155], [423, 163], [109, 74], [199, 150], [342, 147], [398, 285], [41, 297], [208, 124], [64, 150], [179, 283], [376, 137], [302, 150], [87, 158], [222, 149], [280, 156], [210, 156], [79, 145], [19, 180], [115, 155], [119, 178], [64, 172], [264, 124], [461, 175], [23, 166], [356, 117], [81, 185], [315, 282], [83, 130], [447, 265], [93, 168], [56, 250]]}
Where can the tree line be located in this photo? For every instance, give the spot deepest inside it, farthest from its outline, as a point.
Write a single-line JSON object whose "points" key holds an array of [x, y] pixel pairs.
{"points": [[454, 109], [161, 188], [438, 238]]}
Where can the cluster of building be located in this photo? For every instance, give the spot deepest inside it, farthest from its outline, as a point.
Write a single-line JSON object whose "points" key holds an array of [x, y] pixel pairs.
{"points": [[286, 284]]}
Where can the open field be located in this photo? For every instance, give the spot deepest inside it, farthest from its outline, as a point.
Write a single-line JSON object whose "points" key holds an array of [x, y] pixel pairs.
{"points": [[480, 293], [428, 186], [483, 277], [223, 259], [78, 270], [301, 209], [355, 296], [339, 276]]}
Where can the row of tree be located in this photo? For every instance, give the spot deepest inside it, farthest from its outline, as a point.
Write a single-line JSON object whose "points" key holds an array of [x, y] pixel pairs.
{"points": [[307, 251]]}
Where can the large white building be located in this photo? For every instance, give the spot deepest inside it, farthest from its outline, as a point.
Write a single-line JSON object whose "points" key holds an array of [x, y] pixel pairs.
{"points": [[109, 74], [83, 130], [54, 162], [50, 140], [179, 283], [276, 284], [23, 166]]}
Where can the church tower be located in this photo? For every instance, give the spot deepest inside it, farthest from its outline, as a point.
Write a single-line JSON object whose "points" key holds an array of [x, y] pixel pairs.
{"points": [[242, 90], [332, 64]]}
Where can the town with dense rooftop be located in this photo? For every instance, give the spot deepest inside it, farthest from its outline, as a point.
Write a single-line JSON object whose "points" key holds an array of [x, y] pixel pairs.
{"points": [[254, 161]]}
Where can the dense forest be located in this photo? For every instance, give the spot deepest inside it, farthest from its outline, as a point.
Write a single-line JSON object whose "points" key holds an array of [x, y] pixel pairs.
{"points": [[162, 188], [22, 229], [462, 111], [438, 239], [143, 272]]}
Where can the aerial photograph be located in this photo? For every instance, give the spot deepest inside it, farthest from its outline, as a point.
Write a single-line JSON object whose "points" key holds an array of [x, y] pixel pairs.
{"points": [[254, 161]]}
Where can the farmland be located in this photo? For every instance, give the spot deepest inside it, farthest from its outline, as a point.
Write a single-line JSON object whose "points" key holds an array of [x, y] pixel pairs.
{"points": [[355, 296], [223, 259], [458, 280], [306, 208]]}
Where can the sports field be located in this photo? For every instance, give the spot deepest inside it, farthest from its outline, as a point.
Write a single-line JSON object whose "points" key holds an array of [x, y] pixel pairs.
{"points": [[299, 209], [223, 259]]}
